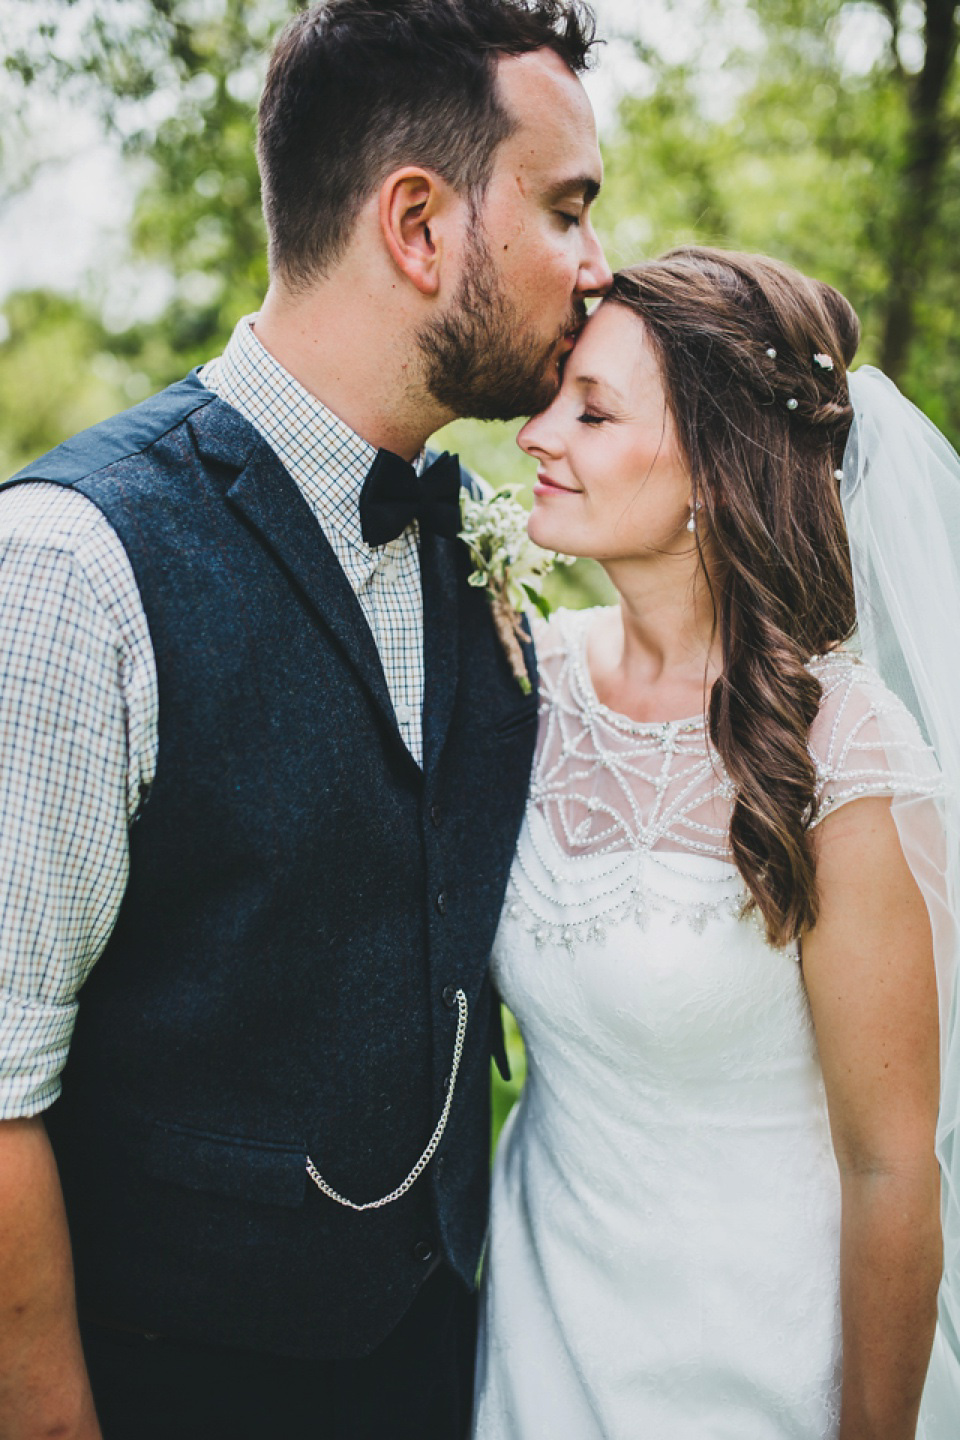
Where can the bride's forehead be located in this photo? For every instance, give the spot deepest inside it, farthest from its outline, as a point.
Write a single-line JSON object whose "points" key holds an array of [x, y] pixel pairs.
{"points": [[614, 347]]}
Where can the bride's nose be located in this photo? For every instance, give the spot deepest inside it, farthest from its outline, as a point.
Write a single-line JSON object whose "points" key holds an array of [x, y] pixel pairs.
{"points": [[540, 437]]}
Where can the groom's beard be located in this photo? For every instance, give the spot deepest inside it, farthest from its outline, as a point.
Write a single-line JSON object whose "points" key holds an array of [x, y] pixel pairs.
{"points": [[481, 360]]}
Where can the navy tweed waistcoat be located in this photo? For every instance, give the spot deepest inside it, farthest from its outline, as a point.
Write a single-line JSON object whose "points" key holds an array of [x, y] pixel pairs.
{"points": [[302, 904]]}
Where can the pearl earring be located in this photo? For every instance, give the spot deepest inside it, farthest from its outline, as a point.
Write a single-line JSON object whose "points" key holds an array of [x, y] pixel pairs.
{"points": [[692, 522]]}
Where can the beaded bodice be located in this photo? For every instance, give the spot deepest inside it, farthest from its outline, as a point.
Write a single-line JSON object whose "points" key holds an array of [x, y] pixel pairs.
{"points": [[613, 797]]}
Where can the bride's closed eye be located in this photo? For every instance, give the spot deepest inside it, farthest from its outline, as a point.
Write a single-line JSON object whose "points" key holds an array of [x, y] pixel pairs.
{"points": [[590, 417]]}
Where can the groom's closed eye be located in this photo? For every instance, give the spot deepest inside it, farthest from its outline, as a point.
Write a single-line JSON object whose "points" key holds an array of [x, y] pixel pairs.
{"points": [[580, 190]]}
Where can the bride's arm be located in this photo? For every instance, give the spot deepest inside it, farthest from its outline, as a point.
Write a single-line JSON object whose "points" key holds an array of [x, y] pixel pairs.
{"points": [[869, 974]]}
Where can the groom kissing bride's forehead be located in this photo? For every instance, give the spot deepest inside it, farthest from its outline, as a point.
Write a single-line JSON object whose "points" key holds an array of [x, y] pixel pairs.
{"points": [[440, 159], [244, 1091]]}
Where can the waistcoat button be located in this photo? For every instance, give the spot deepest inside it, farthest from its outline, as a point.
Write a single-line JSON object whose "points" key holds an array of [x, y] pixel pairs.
{"points": [[442, 903], [422, 1251], [449, 996], [435, 816]]}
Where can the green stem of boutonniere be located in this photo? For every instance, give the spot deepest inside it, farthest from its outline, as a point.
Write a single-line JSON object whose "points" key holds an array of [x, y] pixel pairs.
{"points": [[509, 627]]}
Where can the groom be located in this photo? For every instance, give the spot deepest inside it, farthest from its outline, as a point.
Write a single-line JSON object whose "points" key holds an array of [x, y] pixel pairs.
{"points": [[263, 765]]}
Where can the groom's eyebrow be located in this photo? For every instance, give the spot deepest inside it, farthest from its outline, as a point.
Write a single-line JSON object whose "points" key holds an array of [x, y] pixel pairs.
{"points": [[585, 186]]}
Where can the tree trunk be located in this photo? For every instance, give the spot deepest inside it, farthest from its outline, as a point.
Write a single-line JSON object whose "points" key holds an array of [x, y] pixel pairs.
{"points": [[926, 150]]}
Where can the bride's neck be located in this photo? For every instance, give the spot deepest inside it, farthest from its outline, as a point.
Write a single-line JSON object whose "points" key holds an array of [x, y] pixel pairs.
{"points": [[660, 652]]}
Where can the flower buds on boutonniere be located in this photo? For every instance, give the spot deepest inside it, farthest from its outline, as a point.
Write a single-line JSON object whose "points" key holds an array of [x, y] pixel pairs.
{"points": [[508, 565]]}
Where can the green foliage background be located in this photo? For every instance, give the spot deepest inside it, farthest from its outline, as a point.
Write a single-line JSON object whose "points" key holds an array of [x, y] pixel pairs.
{"points": [[768, 134]]}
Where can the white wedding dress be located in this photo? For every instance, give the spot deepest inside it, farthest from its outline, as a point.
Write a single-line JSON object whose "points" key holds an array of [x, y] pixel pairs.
{"points": [[664, 1247]]}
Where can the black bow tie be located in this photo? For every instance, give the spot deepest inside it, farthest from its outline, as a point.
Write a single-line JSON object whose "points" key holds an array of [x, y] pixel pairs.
{"points": [[394, 494]]}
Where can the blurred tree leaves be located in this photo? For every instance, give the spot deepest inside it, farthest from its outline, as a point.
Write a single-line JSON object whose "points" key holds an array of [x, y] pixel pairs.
{"points": [[49, 339], [199, 214], [838, 149], [176, 81]]}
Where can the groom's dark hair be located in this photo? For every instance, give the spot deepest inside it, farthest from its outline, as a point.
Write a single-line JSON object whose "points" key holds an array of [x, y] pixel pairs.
{"points": [[357, 88]]}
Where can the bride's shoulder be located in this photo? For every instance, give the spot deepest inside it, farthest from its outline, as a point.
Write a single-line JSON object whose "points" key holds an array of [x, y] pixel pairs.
{"points": [[852, 695], [864, 740]]}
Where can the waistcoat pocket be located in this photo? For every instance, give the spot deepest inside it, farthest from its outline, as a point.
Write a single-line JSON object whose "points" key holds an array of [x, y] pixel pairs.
{"points": [[230, 1165]]}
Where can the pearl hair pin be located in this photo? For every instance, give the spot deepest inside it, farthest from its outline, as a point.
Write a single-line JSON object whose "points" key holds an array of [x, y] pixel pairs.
{"points": [[771, 352], [792, 403]]}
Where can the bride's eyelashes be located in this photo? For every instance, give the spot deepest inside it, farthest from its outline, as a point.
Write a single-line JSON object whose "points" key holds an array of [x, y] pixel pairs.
{"points": [[590, 417]]}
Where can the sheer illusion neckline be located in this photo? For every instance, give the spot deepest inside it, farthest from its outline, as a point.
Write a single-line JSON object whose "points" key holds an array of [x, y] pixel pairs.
{"points": [[613, 801], [581, 668]]}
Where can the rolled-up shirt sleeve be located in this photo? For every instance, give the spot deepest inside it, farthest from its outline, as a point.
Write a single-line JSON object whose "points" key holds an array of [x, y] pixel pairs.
{"points": [[75, 696]]}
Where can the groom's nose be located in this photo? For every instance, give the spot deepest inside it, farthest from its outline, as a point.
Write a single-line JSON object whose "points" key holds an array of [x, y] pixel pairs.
{"points": [[595, 276]]}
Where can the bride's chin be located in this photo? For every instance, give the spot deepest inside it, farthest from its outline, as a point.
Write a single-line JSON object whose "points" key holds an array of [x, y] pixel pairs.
{"points": [[550, 536]]}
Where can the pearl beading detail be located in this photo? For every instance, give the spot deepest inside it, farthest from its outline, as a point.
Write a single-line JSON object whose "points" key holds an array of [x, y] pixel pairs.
{"points": [[609, 788]]}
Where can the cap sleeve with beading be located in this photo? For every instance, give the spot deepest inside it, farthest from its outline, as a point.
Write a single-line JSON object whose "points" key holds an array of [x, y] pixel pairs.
{"points": [[864, 741]]}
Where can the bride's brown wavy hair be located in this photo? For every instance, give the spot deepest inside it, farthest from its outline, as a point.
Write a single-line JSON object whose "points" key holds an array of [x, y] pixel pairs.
{"points": [[736, 336]]}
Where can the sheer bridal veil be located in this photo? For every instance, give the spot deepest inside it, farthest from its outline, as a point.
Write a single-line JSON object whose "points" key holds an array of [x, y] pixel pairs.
{"points": [[900, 491]]}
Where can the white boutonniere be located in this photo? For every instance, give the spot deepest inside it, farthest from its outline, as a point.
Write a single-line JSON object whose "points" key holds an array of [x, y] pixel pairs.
{"points": [[508, 565]]}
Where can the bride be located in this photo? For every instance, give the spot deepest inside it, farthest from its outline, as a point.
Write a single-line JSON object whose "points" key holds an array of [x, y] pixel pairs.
{"points": [[716, 1206]]}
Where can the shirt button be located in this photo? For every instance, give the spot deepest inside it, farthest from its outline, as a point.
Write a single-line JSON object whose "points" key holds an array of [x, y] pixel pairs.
{"points": [[403, 713], [423, 1250], [442, 903], [449, 996], [435, 815]]}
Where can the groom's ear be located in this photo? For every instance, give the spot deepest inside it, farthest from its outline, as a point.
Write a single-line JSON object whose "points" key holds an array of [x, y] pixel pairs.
{"points": [[415, 208]]}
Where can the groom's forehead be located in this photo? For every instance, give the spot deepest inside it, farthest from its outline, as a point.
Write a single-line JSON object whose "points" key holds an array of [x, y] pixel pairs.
{"points": [[555, 140]]}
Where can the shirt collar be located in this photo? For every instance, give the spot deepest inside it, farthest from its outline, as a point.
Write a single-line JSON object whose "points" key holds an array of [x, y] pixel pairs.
{"points": [[327, 460]]}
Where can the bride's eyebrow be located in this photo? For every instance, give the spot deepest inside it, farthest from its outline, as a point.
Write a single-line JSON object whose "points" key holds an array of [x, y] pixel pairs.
{"points": [[588, 382]]}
